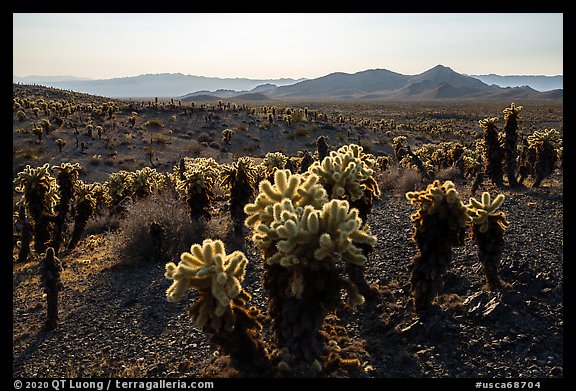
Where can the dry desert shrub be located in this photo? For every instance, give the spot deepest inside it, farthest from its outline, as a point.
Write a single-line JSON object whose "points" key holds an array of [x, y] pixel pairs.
{"points": [[399, 180], [156, 226]]}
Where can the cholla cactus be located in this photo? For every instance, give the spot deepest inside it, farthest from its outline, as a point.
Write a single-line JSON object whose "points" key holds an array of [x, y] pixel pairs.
{"points": [[198, 186], [66, 177], [272, 161], [487, 231], [143, 182], [544, 145], [439, 225], [511, 116], [227, 135], [216, 275], [50, 273], [303, 236], [240, 178], [221, 308], [40, 195], [493, 151], [300, 190], [344, 173], [348, 174], [21, 219], [84, 207], [322, 147], [118, 185]]}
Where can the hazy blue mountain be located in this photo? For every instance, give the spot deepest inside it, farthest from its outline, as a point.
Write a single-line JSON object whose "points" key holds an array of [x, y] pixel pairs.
{"points": [[539, 83], [153, 85], [439, 82], [48, 79]]}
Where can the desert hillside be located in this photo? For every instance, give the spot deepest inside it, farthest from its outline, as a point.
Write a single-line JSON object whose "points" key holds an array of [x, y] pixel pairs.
{"points": [[114, 319]]}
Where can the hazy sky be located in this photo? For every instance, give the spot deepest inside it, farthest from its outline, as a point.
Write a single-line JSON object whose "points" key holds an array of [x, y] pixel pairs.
{"points": [[267, 46]]}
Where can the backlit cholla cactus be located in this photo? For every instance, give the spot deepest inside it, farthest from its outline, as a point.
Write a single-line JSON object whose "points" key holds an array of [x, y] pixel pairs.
{"points": [[119, 186], [439, 224], [488, 233], [84, 206], [348, 174], [221, 307], [195, 179], [145, 181], [66, 177], [272, 161], [494, 153], [40, 195], [240, 179], [304, 237], [544, 144], [511, 116], [227, 135]]}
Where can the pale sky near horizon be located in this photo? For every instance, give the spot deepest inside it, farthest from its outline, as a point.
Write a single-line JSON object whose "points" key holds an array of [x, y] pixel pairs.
{"points": [[270, 46]]}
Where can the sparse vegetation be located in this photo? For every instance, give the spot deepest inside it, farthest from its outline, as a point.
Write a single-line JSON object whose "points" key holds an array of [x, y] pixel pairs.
{"points": [[297, 312]]}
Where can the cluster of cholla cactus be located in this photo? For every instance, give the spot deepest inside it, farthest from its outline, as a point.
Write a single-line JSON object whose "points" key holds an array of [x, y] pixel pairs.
{"points": [[542, 154], [348, 174], [66, 177], [511, 116], [304, 238], [40, 195], [240, 178], [439, 224], [123, 184], [488, 233], [221, 308]]}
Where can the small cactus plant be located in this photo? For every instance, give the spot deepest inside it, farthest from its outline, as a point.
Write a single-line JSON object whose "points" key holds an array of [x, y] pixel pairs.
{"points": [[511, 116], [303, 236], [84, 207], [50, 273], [487, 231], [493, 151], [544, 144], [240, 178], [439, 225], [66, 177], [221, 309]]}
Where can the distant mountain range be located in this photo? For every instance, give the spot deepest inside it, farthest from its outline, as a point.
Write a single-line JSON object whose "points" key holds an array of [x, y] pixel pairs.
{"points": [[440, 82], [539, 83], [162, 85]]}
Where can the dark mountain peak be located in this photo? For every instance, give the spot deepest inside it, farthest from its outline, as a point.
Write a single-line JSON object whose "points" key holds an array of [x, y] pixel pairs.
{"points": [[442, 74]]}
